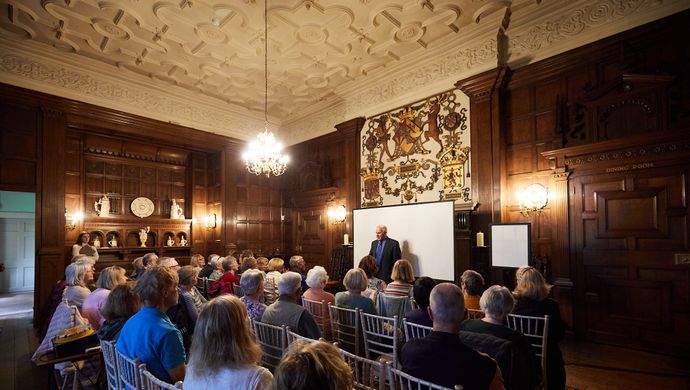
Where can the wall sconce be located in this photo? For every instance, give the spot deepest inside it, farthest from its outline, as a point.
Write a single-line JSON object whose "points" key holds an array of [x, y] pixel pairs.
{"points": [[337, 214], [210, 221], [72, 220], [533, 199]]}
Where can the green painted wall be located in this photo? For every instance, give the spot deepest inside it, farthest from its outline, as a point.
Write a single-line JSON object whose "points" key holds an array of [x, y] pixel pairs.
{"points": [[18, 202]]}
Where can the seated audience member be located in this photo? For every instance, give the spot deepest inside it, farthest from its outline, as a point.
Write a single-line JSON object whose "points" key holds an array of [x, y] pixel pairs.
{"points": [[197, 261], [316, 365], [150, 260], [355, 282], [107, 280], [208, 269], [248, 262], [375, 285], [252, 283], [297, 264], [169, 262], [82, 247], [471, 283], [149, 335], [532, 300], [262, 264], [121, 304], [78, 275], [188, 292], [316, 280], [403, 276], [276, 267], [224, 350], [441, 357], [245, 253], [496, 303], [224, 284], [138, 266], [421, 291], [217, 268], [287, 311]]}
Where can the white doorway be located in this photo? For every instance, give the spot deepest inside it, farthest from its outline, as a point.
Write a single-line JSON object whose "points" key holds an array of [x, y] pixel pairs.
{"points": [[17, 241]]}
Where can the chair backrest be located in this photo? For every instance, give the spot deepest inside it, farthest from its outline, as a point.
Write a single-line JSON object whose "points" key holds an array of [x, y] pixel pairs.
{"points": [[110, 363], [474, 314], [393, 305], [368, 374], [270, 292], [536, 329], [415, 331], [345, 328], [292, 336], [128, 370], [319, 310], [150, 382], [380, 337], [237, 290], [400, 380], [202, 284], [273, 342]]}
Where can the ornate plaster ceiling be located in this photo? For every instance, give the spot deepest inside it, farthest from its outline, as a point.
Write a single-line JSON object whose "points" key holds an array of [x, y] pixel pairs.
{"points": [[321, 53]]}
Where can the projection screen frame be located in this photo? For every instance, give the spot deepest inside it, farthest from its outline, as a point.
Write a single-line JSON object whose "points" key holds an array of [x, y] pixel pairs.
{"points": [[495, 247]]}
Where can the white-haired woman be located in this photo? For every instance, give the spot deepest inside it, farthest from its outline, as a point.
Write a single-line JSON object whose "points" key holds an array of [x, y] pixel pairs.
{"points": [[316, 280], [496, 303], [252, 283], [217, 263], [107, 280], [78, 275]]}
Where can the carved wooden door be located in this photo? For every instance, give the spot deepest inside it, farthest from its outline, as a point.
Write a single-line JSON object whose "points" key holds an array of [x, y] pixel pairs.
{"points": [[311, 235], [626, 229]]}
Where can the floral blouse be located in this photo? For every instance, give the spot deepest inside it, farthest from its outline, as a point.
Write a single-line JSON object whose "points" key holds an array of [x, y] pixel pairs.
{"points": [[255, 310]]}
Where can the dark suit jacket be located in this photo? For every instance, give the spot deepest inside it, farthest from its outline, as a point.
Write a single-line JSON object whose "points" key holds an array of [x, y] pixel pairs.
{"points": [[391, 253]]}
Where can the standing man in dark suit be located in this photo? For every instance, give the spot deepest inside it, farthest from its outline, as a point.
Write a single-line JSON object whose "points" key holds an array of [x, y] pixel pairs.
{"points": [[386, 251]]}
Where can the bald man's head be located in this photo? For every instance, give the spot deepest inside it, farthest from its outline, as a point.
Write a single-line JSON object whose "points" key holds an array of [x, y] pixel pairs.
{"points": [[447, 304]]}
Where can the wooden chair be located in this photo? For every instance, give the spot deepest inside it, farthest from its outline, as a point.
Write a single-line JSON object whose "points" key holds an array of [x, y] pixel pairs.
{"points": [[393, 305], [237, 291], [273, 342], [110, 365], [415, 331], [150, 382], [368, 374], [345, 328], [400, 380], [128, 370], [292, 336], [473, 314], [380, 337], [202, 284], [319, 310], [536, 329]]}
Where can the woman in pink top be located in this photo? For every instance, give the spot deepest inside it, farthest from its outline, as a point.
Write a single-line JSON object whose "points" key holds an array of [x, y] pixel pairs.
{"points": [[316, 280], [107, 280]]}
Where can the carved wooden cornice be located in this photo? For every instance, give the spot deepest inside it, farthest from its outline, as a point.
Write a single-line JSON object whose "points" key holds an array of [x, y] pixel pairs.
{"points": [[479, 88]]}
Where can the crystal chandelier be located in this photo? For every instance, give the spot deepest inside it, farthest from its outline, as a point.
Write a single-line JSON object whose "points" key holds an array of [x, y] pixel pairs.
{"points": [[265, 153]]}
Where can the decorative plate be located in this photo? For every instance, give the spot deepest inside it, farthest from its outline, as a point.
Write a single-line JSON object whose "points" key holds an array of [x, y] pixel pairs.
{"points": [[142, 207]]}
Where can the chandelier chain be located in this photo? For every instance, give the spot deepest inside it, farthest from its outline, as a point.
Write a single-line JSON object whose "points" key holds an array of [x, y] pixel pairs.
{"points": [[266, 63]]}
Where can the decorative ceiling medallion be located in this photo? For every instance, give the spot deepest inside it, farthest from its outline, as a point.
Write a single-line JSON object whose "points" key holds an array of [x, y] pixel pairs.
{"points": [[311, 34], [409, 33], [142, 207], [317, 82], [109, 29], [211, 34]]}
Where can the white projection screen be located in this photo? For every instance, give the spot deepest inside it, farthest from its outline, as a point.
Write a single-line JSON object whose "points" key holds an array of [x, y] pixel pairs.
{"points": [[424, 231], [510, 245]]}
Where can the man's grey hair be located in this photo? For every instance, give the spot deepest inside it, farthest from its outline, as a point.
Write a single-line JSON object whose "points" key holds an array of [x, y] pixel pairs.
{"points": [[147, 258], [289, 282], [497, 301], [251, 280], [447, 304], [382, 227], [317, 277]]}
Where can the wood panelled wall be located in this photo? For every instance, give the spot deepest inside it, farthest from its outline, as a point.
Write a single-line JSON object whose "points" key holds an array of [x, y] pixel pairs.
{"points": [[583, 117]]}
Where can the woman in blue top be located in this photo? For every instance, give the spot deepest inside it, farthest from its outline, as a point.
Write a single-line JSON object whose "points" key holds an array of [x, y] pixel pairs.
{"points": [[355, 282]]}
